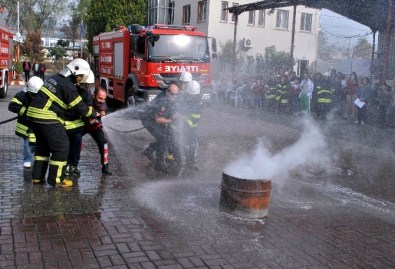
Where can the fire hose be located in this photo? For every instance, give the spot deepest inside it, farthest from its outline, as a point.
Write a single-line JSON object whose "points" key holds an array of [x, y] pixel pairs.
{"points": [[5, 121], [121, 131], [127, 131]]}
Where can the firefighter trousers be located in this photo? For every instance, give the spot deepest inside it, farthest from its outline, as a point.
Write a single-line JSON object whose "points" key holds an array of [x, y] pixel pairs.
{"points": [[160, 146], [75, 139], [190, 147], [52, 149], [101, 142]]}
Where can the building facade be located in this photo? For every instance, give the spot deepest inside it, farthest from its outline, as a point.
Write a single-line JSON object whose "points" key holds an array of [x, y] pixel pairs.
{"points": [[256, 30]]}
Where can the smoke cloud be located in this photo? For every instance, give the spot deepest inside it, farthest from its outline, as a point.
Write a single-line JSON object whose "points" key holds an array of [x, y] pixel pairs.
{"points": [[309, 151]]}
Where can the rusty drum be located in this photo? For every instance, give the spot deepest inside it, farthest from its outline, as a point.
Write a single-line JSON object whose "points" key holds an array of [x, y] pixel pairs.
{"points": [[248, 198]]}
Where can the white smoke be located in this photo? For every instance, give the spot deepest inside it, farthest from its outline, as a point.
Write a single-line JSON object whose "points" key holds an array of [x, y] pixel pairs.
{"points": [[309, 151]]}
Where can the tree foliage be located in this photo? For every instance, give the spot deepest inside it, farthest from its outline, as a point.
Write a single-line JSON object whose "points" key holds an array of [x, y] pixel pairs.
{"points": [[59, 51], [225, 55], [106, 15], [34, 14], [32, 47], [363, 49], [71, 28], [275, 60]]}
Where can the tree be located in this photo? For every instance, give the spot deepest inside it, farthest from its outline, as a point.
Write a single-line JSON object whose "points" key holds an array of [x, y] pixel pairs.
{"points": [[37, 14], [106, 15], [276, 60], [59, 51], [325, 50], [226, 54], [363, 49], [71, 28], [32, 46]]}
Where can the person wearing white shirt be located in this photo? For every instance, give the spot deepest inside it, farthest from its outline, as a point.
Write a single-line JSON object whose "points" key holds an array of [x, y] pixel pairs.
{"points": [[306, 93]]}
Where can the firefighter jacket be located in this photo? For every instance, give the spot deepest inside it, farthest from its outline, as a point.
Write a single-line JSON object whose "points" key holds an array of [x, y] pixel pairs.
{"points": [[270, 90], [323, 94], [54, 99], [190, 111], [161, 106], [282, 95], [73, 120], [19, 104]]}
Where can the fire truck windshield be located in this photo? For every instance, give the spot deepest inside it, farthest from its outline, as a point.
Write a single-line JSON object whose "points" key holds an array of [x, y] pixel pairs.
{"points": [[176, 48]]}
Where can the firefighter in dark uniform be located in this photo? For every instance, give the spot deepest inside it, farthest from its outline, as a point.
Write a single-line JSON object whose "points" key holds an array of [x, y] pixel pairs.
{"points": [[283, 94], [19, 104], [157, 119], [323, 96], [46, 112], [74, 126], [270, 93], [190, 112]]}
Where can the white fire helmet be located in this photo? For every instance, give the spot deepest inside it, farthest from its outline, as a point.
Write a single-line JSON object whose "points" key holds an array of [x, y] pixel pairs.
{"points": [[33, 85], [77, 67], [185, 76], [193, 87], [90, 79]]}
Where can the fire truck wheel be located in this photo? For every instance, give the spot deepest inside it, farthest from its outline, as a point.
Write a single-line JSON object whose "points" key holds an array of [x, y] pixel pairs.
{"points": [[4, 90]]}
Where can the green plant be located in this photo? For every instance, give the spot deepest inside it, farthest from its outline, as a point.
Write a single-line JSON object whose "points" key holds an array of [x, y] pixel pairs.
{"points": [[18, 67]]}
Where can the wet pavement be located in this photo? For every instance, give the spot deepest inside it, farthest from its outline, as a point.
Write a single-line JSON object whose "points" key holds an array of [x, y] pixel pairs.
{"points": [[340, 216]]}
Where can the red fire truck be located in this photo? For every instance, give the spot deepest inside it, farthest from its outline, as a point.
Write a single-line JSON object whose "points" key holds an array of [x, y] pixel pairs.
{"points": [[133, 63], [5, 59]]}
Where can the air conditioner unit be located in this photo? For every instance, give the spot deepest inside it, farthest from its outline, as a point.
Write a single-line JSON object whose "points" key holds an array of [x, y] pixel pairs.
{"points": [[247, 43]]}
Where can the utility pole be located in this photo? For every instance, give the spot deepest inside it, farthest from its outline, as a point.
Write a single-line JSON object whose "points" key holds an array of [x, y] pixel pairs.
{"points": [[387, 41], [81, 37], [234, 43], [293, 37], [18, 33]]}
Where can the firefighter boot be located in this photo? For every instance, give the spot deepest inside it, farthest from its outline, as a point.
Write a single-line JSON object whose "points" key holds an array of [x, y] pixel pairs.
{"points": [[38, 181], [106, 169], [63, 184]]}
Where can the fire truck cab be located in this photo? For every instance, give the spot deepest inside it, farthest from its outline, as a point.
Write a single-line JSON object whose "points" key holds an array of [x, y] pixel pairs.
{"points": [[134, 63]]}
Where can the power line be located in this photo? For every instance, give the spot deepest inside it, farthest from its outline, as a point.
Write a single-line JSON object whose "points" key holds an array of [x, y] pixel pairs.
{"points": [[343, 36]]}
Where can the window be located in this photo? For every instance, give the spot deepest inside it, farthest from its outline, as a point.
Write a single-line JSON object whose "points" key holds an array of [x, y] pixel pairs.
{"points": [[171, 13], [202, 11], [251, 17], [224, 11], [261, 18], [305, 23], [282, 19], [186, 14], [233, 15]]}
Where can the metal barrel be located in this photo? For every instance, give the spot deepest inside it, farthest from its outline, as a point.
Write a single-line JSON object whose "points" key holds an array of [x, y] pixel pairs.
{"points": [[247, 198]]}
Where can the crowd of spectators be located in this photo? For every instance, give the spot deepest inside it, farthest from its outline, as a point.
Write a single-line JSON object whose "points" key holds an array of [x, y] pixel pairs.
{"points": [[345, 96]]}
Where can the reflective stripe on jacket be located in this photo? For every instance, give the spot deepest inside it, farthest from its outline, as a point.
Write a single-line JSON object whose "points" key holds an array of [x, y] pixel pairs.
{"points": [[58, 95]]}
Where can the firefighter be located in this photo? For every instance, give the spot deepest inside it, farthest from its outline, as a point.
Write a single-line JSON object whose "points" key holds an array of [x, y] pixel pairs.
{"points": [[74, 126], [19, 104], [157, 119], [322, 97], [183, 80], [46, 112], [270, 93], [190, 117], [282, 95], [95, 128]]}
